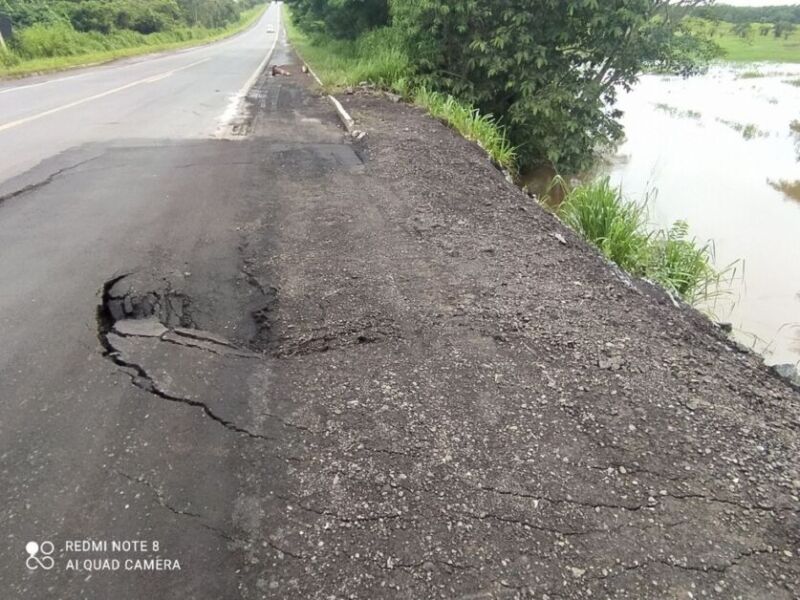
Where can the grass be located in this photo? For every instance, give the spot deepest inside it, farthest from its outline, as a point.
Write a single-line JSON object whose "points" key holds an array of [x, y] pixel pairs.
{"points": [[790, 188], [675, 112], [619, 229], [749, 131], [757, 47], [378, 59], [471, 124], [375, 57], [44, 49]]}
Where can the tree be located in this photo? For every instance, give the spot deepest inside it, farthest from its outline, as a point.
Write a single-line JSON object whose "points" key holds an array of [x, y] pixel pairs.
{"points": [[551, 70], [783, 29], [340, 18], [743, 30]]}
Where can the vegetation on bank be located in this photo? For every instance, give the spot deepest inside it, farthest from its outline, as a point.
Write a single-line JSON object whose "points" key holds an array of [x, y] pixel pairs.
{"points": [[549, 72], [752, 42], [532, 83], [49, 36], [619, 229], [376, 57]]}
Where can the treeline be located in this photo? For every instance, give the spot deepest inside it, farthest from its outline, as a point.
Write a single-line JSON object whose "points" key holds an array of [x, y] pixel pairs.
{"points": [[142, 16], [548, 70], [749, 14]]}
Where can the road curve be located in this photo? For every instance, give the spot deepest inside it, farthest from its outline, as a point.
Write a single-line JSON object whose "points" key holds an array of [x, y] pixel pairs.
{"points": [[175, 95]]}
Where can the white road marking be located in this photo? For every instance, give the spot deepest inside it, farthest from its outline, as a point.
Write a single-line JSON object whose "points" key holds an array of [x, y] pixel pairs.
{"points": [[58, 109], [34, 85], [235, 103]]}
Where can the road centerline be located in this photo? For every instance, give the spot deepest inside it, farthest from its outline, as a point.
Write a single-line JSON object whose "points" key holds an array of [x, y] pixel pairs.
{"points": [[63, 107]]}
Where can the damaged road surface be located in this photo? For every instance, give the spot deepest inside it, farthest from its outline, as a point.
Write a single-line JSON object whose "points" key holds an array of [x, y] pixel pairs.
{"points": [[304, 367]]}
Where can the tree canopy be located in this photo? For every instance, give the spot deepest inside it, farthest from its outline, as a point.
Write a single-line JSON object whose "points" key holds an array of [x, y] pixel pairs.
{"points": [[144, 16], [550, 69]]}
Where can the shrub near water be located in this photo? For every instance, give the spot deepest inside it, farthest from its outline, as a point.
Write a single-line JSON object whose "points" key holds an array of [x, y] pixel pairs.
{"points": [[598, 212], [618, 227]]}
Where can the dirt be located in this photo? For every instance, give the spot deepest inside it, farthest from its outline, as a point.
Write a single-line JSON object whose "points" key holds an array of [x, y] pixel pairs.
{"points": [[471, 403]]}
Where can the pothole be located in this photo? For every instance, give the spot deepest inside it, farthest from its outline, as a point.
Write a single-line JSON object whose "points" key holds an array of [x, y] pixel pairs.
{"points": [[135, 297]]}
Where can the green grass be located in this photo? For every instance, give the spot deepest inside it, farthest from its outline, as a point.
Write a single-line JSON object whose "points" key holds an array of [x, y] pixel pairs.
{"points": [[619, 229], [374, 57], [470, 123], [377, 58], [43, 49], [756, 47], [597, 212]]}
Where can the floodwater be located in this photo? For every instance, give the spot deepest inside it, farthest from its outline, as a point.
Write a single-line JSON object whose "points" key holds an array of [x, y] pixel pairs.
{"points": [[718, 151]]}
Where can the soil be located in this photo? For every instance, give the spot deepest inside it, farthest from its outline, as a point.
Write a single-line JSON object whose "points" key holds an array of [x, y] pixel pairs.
{"points": [[471, 403]]}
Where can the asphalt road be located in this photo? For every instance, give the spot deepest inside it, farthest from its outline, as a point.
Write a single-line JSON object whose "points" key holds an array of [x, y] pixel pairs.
{"points": [[299, 366], [107, 170], [181, 95]]}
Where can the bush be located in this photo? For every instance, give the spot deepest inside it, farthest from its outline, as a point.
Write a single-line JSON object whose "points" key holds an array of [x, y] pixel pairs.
{"points": [[93, 16], [680, 265], [549, 69], [43, 41], [343, 19], [618, 227], [599, 213]]}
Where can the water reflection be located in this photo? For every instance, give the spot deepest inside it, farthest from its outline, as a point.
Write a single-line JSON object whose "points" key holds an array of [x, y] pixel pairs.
{"points": [[723, 152]]}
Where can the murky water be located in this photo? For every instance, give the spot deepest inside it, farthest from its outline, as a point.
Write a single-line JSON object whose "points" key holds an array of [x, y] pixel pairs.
{"points": [[721, 153]]}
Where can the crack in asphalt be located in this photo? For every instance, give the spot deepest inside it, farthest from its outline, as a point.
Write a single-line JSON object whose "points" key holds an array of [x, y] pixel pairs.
{"points": [[636, 507], [592, 505], [161, 500], [146, 383], [337, 516], [46, 181], [706, 569], [159, 495], [139, 376]]}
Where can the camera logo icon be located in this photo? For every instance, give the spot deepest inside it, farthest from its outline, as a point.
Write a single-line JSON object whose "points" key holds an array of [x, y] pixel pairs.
{"points": [[39, 556]]}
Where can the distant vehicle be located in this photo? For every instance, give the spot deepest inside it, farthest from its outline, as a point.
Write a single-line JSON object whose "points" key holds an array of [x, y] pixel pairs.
{"points": [[270, 29]]}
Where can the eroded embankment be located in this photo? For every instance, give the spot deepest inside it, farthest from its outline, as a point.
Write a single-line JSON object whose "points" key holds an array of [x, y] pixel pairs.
{"points": [[454, 396]]}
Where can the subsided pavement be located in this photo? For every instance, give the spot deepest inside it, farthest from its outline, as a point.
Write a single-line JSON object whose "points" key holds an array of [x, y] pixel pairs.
{"points": [[309, 367]]}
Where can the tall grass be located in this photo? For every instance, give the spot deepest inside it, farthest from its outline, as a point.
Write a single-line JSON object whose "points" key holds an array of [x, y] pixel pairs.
{"points": [[619, 228], [375, 57], [599, 213], [682, 265], [471, 124]]}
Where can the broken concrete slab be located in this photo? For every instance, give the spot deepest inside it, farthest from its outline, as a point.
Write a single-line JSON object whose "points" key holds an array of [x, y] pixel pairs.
{"points": [[140, 327]]}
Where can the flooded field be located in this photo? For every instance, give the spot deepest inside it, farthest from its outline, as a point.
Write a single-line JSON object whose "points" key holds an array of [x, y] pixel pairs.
{"points": [[722, 151]]}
